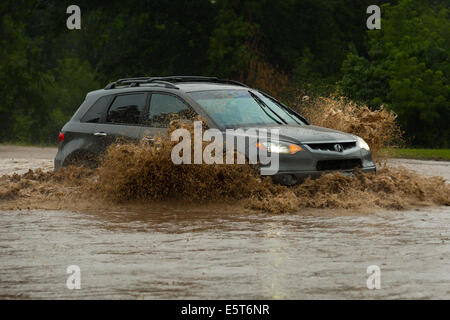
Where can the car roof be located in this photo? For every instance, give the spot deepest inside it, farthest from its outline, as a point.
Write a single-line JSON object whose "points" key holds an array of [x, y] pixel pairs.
{"points": [[204, 86], [182, 86], [183, 83]]}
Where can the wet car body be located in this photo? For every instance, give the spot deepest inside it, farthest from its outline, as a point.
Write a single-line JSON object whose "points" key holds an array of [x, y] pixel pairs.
{"points": [[319, 153], [88, 133]]}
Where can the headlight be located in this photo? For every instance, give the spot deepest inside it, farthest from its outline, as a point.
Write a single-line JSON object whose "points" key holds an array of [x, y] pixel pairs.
{"points": [[279, 147], [362, 144]]}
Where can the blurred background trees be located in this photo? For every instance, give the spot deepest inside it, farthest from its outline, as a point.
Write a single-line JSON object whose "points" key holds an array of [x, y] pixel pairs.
{"points": [[286, 47], [407, 67]]}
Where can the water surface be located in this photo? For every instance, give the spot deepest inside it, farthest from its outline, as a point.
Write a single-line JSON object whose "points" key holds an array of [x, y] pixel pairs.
{"points": [[181, 255]]}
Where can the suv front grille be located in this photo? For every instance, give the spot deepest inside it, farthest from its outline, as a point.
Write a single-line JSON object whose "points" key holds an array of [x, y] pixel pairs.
{"points": [[330, 146], [345, 164]]}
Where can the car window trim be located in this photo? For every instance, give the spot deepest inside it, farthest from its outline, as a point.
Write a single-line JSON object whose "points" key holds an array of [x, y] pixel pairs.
{"points": [[108, 97], [147, 110]]}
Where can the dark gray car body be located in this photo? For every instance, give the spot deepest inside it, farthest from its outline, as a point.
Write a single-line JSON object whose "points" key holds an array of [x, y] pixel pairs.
{"points": [[83, 140]]}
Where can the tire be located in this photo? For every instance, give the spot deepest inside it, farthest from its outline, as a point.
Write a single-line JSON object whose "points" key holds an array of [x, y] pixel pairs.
{"points": [[82, 159]]}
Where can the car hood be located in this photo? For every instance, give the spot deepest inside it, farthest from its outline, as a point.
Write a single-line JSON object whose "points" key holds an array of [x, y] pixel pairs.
{"points": [[310, 133]]}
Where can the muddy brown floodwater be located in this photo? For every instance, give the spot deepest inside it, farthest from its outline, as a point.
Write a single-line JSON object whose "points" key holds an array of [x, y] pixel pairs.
{"points": [[209, 255]]}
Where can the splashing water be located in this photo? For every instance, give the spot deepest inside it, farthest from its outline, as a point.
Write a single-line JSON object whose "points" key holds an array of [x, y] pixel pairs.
{"points": [[377, 127], [144, 174]]}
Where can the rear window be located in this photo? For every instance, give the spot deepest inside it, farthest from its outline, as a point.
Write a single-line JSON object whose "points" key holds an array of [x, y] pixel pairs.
{"points": [[95, 112], [127, 108]]}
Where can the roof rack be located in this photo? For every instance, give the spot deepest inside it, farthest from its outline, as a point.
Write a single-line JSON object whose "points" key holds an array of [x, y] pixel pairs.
{"points": [[200, 78], [168, 81], [136, 82]]}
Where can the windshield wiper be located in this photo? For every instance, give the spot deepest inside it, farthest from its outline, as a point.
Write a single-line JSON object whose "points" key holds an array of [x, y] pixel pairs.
{"points": [[263, 106], [293, 115]]}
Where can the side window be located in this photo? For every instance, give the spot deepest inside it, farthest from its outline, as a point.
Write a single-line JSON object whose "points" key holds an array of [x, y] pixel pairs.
{"points": [[165, 108], [127, 108], [95, 112]]}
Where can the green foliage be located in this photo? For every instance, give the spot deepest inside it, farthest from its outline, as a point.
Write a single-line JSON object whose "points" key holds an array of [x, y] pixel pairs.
{"points": [[72, 79], [306, 76], [229, 44], [36, 102], [408, 68], [363, 81], [423, 154], [22, 110], [46, 69]]}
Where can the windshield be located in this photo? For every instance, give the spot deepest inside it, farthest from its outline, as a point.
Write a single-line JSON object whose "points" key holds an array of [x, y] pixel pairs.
{"points": [[241, 108]]}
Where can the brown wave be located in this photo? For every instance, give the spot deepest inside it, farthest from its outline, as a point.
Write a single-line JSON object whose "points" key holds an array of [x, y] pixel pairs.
{"points": [[144, 175]]}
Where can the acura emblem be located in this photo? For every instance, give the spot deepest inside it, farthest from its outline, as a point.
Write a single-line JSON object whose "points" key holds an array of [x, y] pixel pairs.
{"points": [[338, 147]]}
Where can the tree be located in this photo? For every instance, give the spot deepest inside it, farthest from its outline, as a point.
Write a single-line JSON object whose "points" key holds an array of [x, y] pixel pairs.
{"points": [[22, 110], [408, 68]]}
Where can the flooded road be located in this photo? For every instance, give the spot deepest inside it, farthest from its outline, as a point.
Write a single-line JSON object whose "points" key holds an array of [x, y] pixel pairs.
{"points": [[17, 159], [225, 256], [176, 253]]}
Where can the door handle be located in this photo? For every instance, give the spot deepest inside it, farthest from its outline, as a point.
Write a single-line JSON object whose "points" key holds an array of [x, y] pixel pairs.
{"points": [[101, 134]]}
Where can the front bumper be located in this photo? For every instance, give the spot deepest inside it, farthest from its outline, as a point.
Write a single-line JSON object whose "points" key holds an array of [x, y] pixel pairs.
{"points": [[296, 168], [294, 177]]}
